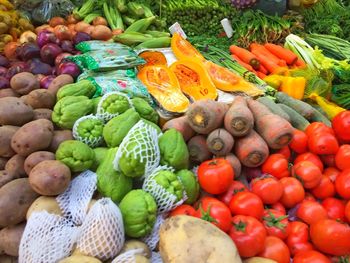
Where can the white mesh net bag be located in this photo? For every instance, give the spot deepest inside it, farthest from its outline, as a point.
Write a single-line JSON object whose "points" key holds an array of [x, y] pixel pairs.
{"points": [[165, 200], [153, 238], [128, 256], [75, 200], [47, 238], [102, 232], [195, 170], [156, 258], [112, 104], [88, 129], [139, 145]]}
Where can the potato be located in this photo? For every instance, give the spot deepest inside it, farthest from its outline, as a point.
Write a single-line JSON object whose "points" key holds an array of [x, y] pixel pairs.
{"points": [[259, 260], [15, 166], [42, 114], [50, 177], [6, 177], [8, 93], [13, 111], [141, 259], [59, 82], [8, 259], [6, 134], [10, 238], [24, 82], [79, 259], [24, 98], [58, 137], [188, 239], [33, 136], [134, 244], [15, 199], [3, 162], [40, 98], [44, 203], [35, 158]]}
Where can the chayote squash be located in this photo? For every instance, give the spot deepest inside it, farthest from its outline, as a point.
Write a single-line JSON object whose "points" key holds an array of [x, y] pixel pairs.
{"points": [[69, 109], [152, 124], [173, 150], [129, 165], [100, 154], [76, 155], [117, 128], [114, 103], [89, 130], [169, 181], [110, 182], [95, 101], [82, 88], [139, 211], [191, 185], [145, 110]]}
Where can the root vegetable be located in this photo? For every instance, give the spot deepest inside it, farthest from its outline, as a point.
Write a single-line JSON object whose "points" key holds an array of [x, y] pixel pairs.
{"points": [[99, 21], [42, 114], [101, 32], [8, 93], [220, 142], [10, 238], [15, 166], [59, 137], [40, 98], [3, 162], [59, 82], [181, 124], [35, 158], [6, 134], [198, 149], [13, 111], [44, 203], [235, 163], [24, 82], [6, 177]]}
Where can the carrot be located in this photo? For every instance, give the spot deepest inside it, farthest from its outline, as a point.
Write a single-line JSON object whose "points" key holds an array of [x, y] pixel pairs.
{"points": [[180, 124], [267, 63], [260, 49], [282, 53], [235, 163], [275, 130], [204, 116], [198, 149], [260, 75], [245, 65], [220, 142], [263, 70], [239, 119], [245, 56], [251, 150], [300, 63]]}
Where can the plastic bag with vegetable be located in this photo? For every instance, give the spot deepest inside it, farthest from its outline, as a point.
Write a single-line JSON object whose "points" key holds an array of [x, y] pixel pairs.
{"points": [[50, 8], [95, 45]]}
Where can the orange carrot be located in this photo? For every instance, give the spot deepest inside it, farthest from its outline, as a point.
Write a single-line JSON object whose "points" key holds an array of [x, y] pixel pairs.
{"points": [[282, 53], [300, 63], [245, 56], [260, 49], [260, 75], [262, 69], [245, 65], [267, 63]]}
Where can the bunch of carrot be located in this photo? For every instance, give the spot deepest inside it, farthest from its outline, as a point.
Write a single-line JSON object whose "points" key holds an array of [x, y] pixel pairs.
{"points": [[265, 59]]}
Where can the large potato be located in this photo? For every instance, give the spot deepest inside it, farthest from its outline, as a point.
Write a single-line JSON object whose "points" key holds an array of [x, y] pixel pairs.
{"points": [[79, 259], [15, 166], [59, 137], [15, 199], [8, 93], [136, 244], [33, 136], [6, 177], [40, 98], [188, 239], [44, 203], [50, 177], [35, 158], [10, 238], [8, 259], [259, 260], [59, 82], [6, 134], [24, 82], [13, 111], [42, 114], [3, 162]]}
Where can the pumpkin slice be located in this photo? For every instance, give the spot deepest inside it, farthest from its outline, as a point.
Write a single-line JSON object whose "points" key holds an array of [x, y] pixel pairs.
{"points": [[163, 85], [194, 80], [183, 49], [152, 58]]}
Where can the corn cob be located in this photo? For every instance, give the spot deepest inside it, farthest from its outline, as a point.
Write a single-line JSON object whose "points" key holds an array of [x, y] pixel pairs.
{"points": [[121, 6], [116, 17], [135, 9], [128, 20], [141, 25], [155, 43], [131, 38], [155, 33], [90, 17], [147, 10]]}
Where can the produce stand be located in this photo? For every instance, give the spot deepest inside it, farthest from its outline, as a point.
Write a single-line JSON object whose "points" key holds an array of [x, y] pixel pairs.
{"points": [[174, 131]]}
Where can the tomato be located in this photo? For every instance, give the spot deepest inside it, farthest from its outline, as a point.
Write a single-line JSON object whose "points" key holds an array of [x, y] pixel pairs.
{"points": [[328, 160], [341, 125], [311, 256], [275, 249], [183, 210], [318, 127], [285, 151], [248, 234], [214, 211], [299, 142], [215, 176], [331, 237], [234, 188], [276, 165], [293, 192], [335, 208], [307, 173], [277, 206], [342, 158], [311, 212], [248, 204], [308, 156], [268, 188], [325, 189], [298, 238], [347, 211], [276, 223], [332, 173], [342, 184], [323, 143]]}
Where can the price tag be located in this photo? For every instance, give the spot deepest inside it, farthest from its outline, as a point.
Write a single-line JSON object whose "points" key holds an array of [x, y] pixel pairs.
{"points": [[176, 28], [226, 24]]}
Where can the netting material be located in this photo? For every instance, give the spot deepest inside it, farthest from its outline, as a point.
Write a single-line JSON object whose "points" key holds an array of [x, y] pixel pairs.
{"points": [[75, 200], [156, 258], [92, 142], [128, 256], [147, 149], [153, 238], [102, 232], [106, 116], [47, 238]]}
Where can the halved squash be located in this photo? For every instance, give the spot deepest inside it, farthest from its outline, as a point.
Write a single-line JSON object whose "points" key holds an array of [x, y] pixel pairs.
{"points": [[152, 58], [183, 49]]}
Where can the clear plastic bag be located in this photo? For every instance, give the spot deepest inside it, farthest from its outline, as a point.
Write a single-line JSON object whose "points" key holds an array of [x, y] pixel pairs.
{"points": [[47, 9]]}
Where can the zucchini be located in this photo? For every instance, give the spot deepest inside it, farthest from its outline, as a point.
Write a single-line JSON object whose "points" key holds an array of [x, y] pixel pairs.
{"points": [[297, 121], [319, 117], [274, 108], [299, 106]]}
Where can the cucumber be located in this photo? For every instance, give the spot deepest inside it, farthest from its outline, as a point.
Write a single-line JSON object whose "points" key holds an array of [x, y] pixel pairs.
{"points": [[274, 108], [299, 106], [297, 121], [319, 117]]}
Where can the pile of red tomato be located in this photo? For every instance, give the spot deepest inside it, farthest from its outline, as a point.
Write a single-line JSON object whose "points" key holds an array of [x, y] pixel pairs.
{"points": [[298, 207]]}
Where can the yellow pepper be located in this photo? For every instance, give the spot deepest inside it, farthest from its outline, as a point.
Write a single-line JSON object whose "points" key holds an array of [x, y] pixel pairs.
{"points": [[274, 81], [294, 86], [329, 107]]}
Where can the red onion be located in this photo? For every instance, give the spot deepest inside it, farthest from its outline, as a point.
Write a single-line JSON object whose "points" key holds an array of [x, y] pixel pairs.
{"points": [[4, 83], [46, 81], [69, 68], [4, 62], [28, 51], [49, 52], [46, 37], [81, 37], [251, 173], [3, 71], [39, 67], [61, 58], [17, 67], [67, 46]]}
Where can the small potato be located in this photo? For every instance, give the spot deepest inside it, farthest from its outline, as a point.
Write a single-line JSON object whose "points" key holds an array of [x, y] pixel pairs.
{"points": [[33, 136], [35, 158], [40, 98], [141, 259], [6, 177], [24, 82], [3, 162], [8, 259], [8, 93], [59, 137], [24, 98], [79, 259], [259, 260], [10, 238], [50, 177], [44, 203], [13, 111], [6, 134], [135, 244], [59, 82], [15, 199], [42, 114], [15, 166]]}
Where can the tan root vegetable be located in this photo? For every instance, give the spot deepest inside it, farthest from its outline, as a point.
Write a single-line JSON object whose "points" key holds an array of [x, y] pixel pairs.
{"points": [[15, 166], [59, 137], [136, 244], [10, 238], [99, 21], [80, 259], [13, 111], [59, 82], [42, 114], [101, 32], [6, 134], [24, 82], [8, 93], [259, 260], [35, 158], [44, 203], [180, 124], [198, 149], [8, 259], [6, 177], [3, 162], [220, 142], [40, 98], [235, 163]]}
